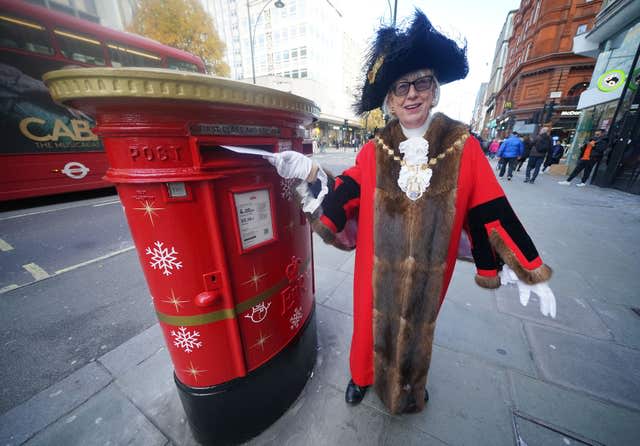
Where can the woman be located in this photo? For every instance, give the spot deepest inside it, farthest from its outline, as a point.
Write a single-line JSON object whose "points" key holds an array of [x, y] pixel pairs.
{"points": [[493, 148], [409, 195]]}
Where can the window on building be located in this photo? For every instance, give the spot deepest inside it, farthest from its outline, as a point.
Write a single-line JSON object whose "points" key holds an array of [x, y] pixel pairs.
{"points": [[294, 54], [295, 74], [303, 72], [581, 29], [24, 35], [303, 52], [287, 74], [285, 56], [80, 48]]}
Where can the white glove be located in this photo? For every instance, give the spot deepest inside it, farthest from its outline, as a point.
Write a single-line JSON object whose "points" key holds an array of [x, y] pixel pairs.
{"points": [[547, 299], [290, 164]]}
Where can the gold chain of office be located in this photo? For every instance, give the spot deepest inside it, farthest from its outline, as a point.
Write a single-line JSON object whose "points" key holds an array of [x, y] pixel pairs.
{"points": [[432, 162]]}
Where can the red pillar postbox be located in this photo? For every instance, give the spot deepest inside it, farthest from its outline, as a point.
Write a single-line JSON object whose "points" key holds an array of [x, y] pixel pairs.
{"points": [[225, 250]]}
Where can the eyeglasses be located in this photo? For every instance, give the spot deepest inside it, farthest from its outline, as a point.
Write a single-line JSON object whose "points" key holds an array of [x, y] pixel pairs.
{"points": [[420, 84]]}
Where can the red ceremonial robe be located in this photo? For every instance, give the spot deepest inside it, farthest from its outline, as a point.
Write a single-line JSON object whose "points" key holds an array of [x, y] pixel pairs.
{"points": [[406, 251]]}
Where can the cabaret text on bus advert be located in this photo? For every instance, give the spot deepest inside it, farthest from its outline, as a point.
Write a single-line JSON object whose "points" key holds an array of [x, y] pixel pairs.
{"points": [[77, 133]]}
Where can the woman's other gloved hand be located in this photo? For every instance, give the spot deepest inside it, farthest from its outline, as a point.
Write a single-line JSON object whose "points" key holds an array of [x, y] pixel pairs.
{"points": [[544, 292]]}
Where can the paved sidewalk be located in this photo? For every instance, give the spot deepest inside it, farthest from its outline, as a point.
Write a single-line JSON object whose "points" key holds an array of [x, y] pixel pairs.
{"points": [[501, 373]]}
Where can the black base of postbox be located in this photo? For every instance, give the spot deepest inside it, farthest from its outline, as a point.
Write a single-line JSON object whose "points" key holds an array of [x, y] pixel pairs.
{"points": [[238, 410]]}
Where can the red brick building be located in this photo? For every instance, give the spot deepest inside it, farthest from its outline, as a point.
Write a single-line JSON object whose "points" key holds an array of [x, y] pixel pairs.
{"points": [[543, 77]]}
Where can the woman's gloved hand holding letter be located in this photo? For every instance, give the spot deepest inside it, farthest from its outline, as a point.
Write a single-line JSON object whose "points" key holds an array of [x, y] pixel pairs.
{"points": [[290, 164]]}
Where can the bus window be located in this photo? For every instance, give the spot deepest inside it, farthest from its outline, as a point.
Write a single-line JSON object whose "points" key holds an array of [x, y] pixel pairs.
{"points": [[181, 65], [24, 35], [123, 56], [80, 48]]}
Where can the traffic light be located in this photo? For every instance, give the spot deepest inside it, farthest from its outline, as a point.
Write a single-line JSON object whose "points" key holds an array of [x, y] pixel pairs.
{"points": [[548, 111]]}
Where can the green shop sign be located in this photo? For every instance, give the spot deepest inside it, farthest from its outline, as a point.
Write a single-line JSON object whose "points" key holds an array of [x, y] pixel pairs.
{"points": [[611, 80]]}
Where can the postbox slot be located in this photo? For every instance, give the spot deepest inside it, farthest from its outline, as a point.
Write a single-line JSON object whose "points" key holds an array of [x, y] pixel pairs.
{"points": [[216, 156]]}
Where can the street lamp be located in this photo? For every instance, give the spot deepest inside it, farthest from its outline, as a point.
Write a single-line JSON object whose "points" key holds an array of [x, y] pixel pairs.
{"points": [[252, 31]]}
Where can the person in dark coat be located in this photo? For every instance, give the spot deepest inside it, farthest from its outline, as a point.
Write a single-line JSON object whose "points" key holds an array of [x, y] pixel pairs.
{"points": [[527, 150], [554, 155], [590, 154], [541, 146]]}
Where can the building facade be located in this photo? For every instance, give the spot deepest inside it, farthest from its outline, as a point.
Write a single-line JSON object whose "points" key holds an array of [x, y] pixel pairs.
{"points": [[543, 78], [479, 109], [612, 100], [497, 74], [299, 46]]}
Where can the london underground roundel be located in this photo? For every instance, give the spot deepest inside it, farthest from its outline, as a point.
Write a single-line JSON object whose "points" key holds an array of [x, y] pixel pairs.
{"points": [[611, 80]]}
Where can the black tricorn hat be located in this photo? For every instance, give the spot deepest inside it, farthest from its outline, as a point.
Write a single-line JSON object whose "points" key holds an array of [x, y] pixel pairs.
{"points": [[395, 53]]}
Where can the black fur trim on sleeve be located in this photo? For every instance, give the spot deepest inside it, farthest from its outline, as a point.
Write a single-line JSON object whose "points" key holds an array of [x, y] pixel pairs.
{"points": [[333, 206], [498, 209]]}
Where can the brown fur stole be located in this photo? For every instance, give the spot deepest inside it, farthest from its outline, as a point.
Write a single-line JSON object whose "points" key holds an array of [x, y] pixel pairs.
{"points": [[411, 247]]}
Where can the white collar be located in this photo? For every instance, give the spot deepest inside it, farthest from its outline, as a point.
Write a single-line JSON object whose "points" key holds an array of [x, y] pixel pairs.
{"points": [[417, 132]]}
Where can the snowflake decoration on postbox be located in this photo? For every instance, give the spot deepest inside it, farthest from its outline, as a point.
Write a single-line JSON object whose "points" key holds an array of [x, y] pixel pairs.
{"points": [[163, 258], [296, 318], [186, 340]]}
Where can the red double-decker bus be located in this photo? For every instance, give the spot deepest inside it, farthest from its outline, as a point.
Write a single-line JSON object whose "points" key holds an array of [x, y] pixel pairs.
{"points": [[46, 148]]}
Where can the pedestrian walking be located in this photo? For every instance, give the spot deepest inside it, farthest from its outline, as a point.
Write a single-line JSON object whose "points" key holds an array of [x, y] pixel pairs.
{"points": [[541, 145], [555, 154], [407, 199], [527, 150], [590, 154], [510, 150], [493, 148]]}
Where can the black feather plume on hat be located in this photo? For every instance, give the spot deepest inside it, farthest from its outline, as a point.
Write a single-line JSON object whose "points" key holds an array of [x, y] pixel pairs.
{"points": [[395, 52]]}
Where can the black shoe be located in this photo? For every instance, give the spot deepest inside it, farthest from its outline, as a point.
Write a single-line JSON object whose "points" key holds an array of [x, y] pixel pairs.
{"points": [[426, 395], [526, 180], [531, 182], [508, 178], [354, 393]]}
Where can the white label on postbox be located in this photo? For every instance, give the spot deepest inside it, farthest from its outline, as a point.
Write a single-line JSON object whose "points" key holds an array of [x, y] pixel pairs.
{"points": [[284, 144], [254, 217]]}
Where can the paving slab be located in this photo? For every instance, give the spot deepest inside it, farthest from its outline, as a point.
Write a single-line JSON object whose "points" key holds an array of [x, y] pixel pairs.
{"points": [[621, 321], [464, 290], [150, 386], [574, 312], [341, 298], [328, 256], [398, 432], [574, 412], [107, 419], [326, 281], [491, 335], [603, 369], [349, 265], [320, 417], [24, 421], [531, 433], [469, 402], [334, 340], [137, 349]]}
